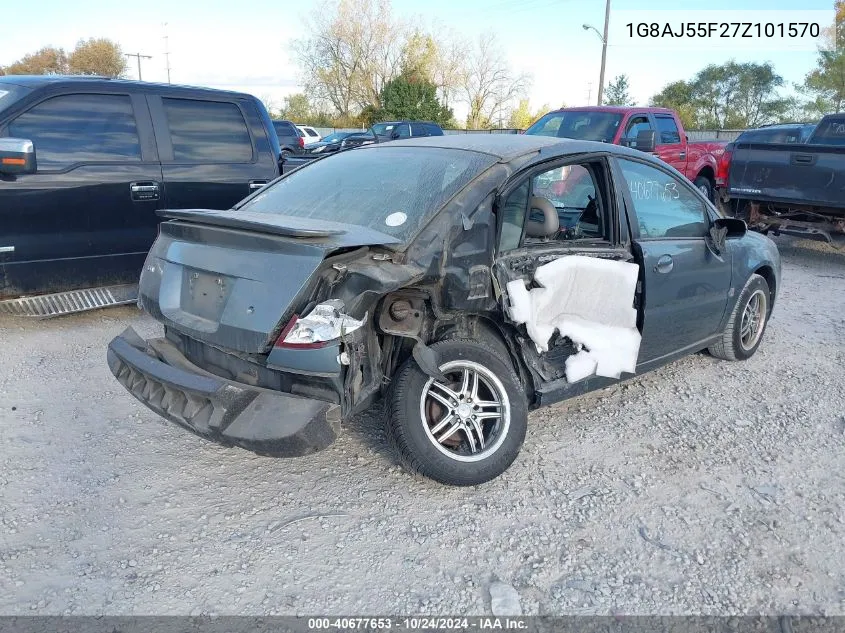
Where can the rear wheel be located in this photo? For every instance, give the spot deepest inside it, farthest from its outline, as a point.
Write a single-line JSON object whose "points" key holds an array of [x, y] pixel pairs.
{"points": [[703, 184], [467, 429], [748, 321]]}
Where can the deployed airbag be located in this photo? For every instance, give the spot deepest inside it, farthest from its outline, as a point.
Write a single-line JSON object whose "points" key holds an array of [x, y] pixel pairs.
{"points": [[590, 301]]}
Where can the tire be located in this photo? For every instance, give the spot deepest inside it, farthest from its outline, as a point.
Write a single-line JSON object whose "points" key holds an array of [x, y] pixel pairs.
{"points": [[285, 154], [471, 450], [703, 184], [734, 345]]}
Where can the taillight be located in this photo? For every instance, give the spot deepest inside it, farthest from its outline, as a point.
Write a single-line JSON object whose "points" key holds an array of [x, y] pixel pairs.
{"points": [[723, 166], [301, 142]]}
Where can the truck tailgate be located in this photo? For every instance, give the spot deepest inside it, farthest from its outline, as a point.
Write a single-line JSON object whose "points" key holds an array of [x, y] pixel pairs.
{"points": [[802, 174]]}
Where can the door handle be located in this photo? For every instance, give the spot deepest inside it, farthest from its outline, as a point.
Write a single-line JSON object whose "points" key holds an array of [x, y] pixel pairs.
{"points": [[664, 264], [803, 159], [682, 155], [144, 191], [256, 184]]}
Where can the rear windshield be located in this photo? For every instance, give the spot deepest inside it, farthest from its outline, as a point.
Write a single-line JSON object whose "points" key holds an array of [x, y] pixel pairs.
{"points": [[583, 125], [283, 128], [9, 93], [776, 135], [395, 190], [830, 131]]}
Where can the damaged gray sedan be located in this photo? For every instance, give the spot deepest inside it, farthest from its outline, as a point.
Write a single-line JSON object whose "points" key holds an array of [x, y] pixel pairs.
{"points": [[467, 279]]}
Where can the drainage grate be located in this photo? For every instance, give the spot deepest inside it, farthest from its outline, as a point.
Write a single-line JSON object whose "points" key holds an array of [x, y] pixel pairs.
{"points": [[61, 303]]}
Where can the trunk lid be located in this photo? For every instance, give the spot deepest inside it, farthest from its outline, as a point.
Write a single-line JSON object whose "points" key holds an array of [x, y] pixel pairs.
{"points": [[228, 278]]}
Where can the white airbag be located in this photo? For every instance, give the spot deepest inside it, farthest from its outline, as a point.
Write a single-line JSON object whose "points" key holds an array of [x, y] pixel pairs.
{"points": [[590, 301]]}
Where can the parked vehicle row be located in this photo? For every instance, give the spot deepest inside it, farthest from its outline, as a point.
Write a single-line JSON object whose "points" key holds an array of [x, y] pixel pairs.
{"points": [[653, 130], [788, 179], [296, 309], [85, 163], [378, 133]]}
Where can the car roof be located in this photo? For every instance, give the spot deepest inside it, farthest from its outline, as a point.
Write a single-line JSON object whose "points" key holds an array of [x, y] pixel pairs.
{"points": [[615, 109], [508, 147], [94, 81]]}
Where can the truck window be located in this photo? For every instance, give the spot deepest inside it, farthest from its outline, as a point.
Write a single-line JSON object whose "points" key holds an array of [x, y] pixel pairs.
{"points": [[635, 126], [585, 125], [404, 130], [665, 207], [207, 131], [80, 128], [831, 131], [668, 129]]}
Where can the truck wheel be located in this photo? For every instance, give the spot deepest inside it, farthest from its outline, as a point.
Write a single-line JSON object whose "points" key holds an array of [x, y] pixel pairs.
{"points": [[703, 184], [748, 321], [464, 431]]}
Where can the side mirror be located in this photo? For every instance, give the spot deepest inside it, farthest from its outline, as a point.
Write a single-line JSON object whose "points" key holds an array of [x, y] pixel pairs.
{"points": [[734, 226], [394, 134], [723, 228], [17, 156], [646, 141]]}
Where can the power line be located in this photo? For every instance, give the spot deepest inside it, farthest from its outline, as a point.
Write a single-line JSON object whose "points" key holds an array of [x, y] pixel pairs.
{"points": [[138, 57]]}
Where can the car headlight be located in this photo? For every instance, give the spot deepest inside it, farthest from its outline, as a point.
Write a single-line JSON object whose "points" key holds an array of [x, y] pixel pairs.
{"points": [[325, 324]]}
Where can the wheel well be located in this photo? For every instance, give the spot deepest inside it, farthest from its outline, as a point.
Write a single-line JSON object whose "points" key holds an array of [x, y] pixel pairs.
{"points": [[708, 173], [768, 274]]}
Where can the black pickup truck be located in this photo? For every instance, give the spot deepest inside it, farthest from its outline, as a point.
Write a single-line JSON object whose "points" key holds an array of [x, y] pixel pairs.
{"points": [[85, 164], [791, 188]]}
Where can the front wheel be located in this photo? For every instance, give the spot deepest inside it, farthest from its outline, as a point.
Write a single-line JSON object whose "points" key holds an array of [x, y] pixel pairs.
{"points": [[703, 184], [467, 429], [748, 321]]}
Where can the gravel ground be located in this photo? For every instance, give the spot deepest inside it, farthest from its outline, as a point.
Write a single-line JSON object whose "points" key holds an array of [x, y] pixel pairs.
{"points": [[705, 487]]}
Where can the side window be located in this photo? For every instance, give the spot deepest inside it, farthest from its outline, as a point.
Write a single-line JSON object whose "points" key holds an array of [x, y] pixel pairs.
{"points": [[310, 131], [433, 130], [207, 131], [513, 216], [80, 128], [575, 193], [404, 130], [283, 128], [664, 206], [667, 129], [635, 125]]}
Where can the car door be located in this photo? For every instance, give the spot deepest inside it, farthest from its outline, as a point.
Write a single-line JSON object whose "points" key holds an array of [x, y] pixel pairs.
{"points": [[669, 147], [207, 151], [87, 217], [587, 211], [686, 283]]}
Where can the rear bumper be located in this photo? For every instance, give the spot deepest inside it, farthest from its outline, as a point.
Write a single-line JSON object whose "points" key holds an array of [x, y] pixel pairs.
{"points": [[233, 414]]}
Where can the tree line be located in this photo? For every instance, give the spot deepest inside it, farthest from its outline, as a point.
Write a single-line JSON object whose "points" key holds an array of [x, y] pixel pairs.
{"points": [[359, 63]]}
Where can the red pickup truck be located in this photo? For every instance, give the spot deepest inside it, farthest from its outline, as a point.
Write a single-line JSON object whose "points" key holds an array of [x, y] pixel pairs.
{"points": [[632, 127]]}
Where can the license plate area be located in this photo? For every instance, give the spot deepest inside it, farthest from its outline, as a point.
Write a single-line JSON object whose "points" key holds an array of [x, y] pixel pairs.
{"points": [[204, 294]]}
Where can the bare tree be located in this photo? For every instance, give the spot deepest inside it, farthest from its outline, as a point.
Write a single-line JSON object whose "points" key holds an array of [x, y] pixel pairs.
{"points": [[489, 85], [353, 48]]}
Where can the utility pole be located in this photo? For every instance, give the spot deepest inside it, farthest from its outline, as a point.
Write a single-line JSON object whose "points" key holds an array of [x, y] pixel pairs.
{"points": [[166, 52], [589, 91], [138, 57], [603, 39]]}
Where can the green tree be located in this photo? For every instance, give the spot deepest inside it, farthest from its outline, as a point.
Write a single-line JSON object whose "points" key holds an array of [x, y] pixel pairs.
{"points": [[412, 97], [97, 56], [678, 96], [46, 61], [522, 117], [617, 92], [297, 108], [826, 83], [730, 95]]}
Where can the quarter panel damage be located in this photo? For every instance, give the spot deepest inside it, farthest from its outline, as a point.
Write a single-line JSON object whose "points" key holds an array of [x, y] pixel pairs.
{"points": [[590, 302]]}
